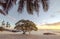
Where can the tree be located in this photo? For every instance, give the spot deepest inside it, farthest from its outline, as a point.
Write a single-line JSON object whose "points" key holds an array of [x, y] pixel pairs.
{"points": [[8, 25], [3, 24], [31, 5], [26, 26]]}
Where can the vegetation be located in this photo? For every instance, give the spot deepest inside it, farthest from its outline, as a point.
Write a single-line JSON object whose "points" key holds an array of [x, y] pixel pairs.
{"points": [[49, 33], [2, 29], [31, 5], [26, 26], [4, 26], [8, 25]]}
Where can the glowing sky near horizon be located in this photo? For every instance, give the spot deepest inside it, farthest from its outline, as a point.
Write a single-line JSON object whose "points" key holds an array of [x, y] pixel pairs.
{"points": [[51, 16], [49, 27]]}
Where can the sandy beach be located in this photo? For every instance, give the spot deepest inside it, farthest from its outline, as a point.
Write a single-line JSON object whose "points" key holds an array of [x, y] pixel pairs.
{"points": [[34, 35], [20, 36]]}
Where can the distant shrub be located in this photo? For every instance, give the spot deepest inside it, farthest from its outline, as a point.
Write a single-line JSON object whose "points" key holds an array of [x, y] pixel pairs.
{"points": [[2, 29], [49, 34]]}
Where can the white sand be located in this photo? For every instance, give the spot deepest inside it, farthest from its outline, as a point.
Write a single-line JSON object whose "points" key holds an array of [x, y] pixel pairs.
{"points": [[39, 32], [20, 36], [34, 35]]}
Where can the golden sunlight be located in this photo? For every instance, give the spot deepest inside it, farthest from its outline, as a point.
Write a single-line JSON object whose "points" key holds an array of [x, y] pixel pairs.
{"points": [[48, 27]]}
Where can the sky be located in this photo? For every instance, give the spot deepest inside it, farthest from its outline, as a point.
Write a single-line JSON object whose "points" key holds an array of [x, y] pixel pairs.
{"points": [[51, 16]]}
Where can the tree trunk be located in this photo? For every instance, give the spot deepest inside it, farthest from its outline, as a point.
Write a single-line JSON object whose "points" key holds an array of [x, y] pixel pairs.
{"points": [[29, 32], [24, 32]]}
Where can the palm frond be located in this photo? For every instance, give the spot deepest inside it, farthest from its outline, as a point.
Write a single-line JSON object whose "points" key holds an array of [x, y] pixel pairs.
{"points": [[1, 11], [2, 1], [14, 1], [29, 6], [7, 6], [45, 4], [21, 5], [36, 5]]}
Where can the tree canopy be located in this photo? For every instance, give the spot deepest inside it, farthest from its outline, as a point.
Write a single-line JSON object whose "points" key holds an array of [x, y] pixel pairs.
{"points": [[26, 26]]}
